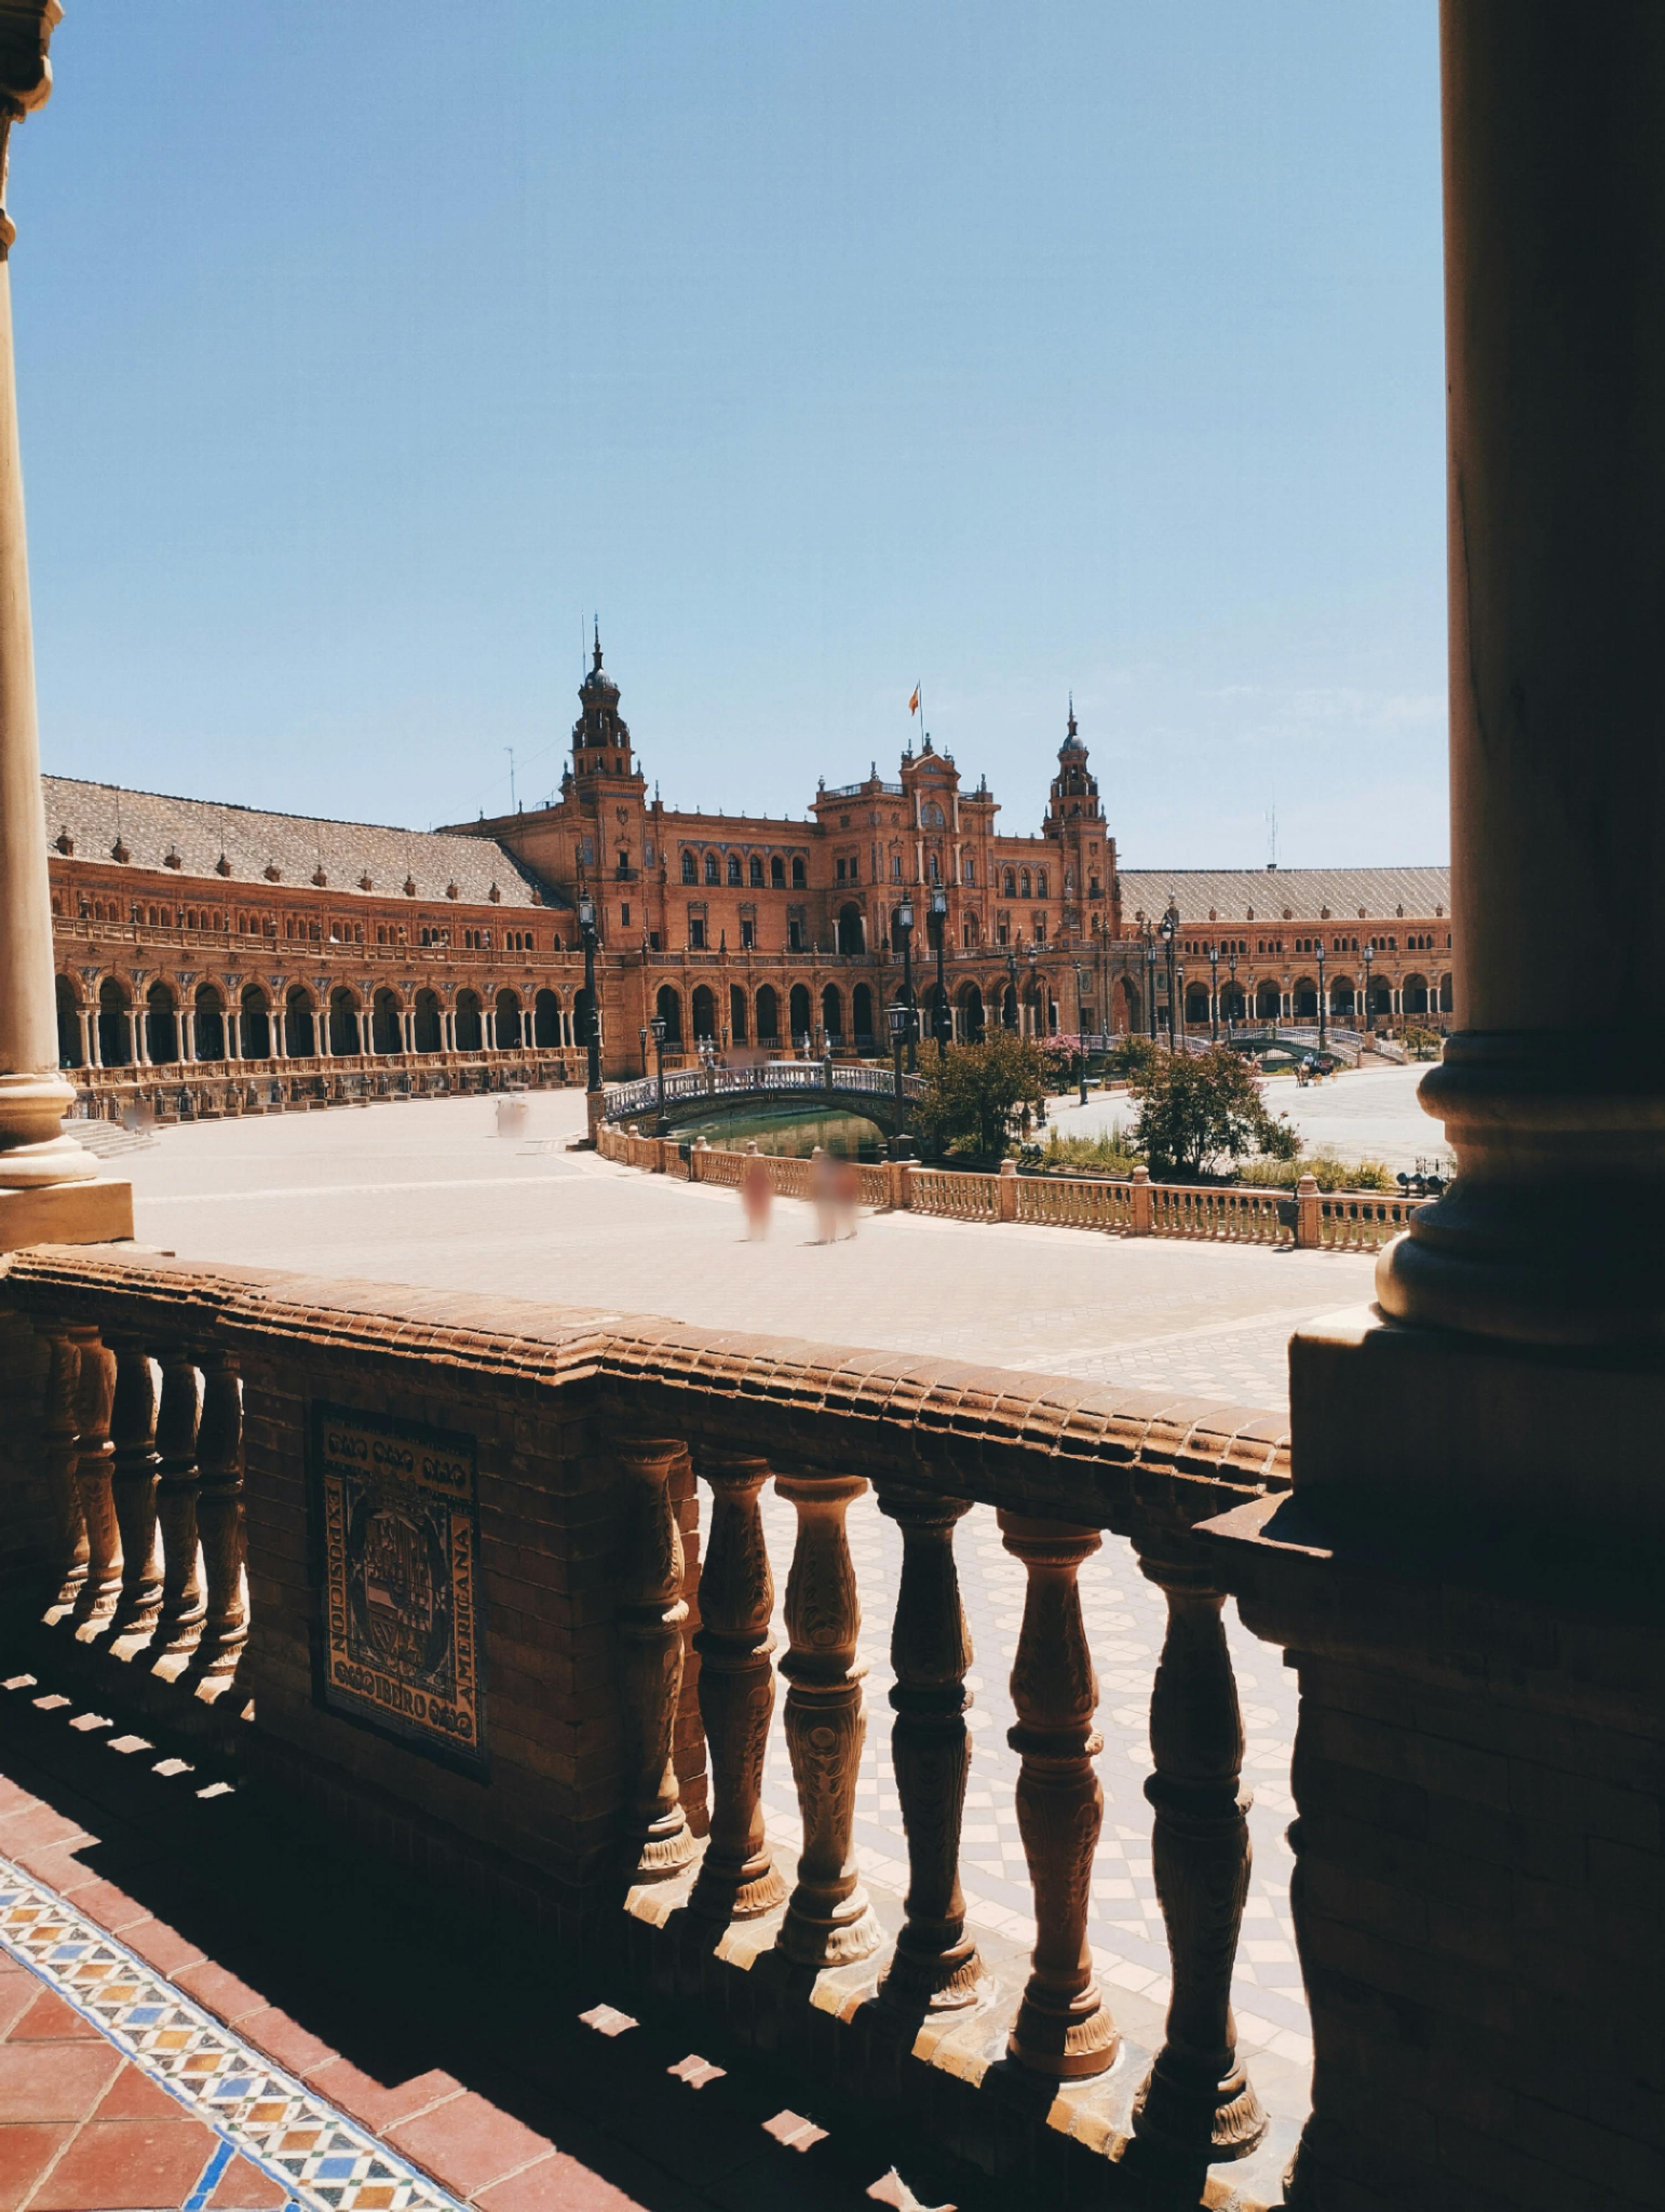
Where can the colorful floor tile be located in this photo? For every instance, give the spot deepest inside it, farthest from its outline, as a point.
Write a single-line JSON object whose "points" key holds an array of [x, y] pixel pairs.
{"points": [[297, 2151]]}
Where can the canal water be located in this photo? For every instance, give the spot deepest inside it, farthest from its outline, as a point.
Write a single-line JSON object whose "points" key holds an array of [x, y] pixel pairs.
{"points": [[789, 1131]]}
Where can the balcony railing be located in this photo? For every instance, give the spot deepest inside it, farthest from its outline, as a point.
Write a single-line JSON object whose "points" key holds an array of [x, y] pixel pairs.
{"points": [[216, 1446]]}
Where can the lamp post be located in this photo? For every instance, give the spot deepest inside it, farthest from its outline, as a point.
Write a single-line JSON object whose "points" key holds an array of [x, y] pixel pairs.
{"points": [[900, 1017], [1034, 956], [657, 1025], [592, 1012], [1231, 1012], [1011, 978], [1214, 993], [1370, 954], [1177, 1001], [1166, 929], [940, 1024], [1148, 933], [1322, 1030], [1081, 1027], [644, 1052], [905, 923]]}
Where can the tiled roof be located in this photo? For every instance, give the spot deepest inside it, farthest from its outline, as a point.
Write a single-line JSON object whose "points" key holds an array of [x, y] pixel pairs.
{"points": [[1238, 894], [199, 830]]}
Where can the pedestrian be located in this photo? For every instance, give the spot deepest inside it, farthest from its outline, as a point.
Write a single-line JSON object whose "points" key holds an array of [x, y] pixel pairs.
{"points": [[847, 1195], [757, 1193], [823, 1189]]}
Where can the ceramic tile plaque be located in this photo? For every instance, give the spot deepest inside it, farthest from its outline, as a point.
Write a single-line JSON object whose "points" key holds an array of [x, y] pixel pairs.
{"points": [[396, 1545]]}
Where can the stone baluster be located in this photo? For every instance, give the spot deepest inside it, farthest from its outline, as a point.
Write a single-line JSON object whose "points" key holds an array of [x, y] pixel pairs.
{"points": [[95, 1391], [133, 1492], [1197, 2098], [1063, 2028], [935, 1967], [219, 1516], [651, 1617], [59, 1452], [738, 1879], [184, 1602], [828, 1921]]}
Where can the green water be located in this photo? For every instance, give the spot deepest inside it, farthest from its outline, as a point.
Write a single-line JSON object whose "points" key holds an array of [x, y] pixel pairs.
{"points": [[789, 1131]]}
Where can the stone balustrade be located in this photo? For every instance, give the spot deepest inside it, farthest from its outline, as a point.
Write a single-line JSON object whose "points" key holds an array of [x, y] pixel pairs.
{"points": [[211, 1090], [451, 1547], [1343, 1221]]}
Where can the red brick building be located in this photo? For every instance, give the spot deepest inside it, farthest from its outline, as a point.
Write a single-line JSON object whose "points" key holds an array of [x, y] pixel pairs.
{"points": [[192, 931]]}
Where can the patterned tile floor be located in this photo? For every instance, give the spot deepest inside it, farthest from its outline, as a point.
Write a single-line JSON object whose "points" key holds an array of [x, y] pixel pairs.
{"points": [[1124, 1615]]}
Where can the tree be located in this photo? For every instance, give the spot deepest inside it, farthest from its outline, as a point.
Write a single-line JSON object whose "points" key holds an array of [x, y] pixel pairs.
{"points": [[1195, 1109], [973, 1092]]}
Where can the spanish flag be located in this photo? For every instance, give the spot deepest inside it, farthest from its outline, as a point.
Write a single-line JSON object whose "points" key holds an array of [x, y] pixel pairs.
{"points": [[913, 704]]}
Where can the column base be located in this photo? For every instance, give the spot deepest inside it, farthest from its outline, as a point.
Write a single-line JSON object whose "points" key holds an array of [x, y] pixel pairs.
{"points": [[1066, 2042], [98, 1210], [813, 1935], [1196, 2113]]}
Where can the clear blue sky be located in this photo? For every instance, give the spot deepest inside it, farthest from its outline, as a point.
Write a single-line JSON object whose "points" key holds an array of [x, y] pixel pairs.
{"points": [[366, 348]]}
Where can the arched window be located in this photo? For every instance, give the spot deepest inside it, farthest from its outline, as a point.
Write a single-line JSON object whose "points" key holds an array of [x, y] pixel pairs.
{"points": [[546, 1019], [777, 874], [387, 1031], [470, 1030], [508, 1021], [211, 1023], [734, 870], [1010, 884], [1041, 883], [69, 1023], [425, 1027], [705, 1013], [798, 873], [690, 868], [769, 1016], [301, 1039], [1023, 890], [667, 1008], [832, 1014], [736, 1014], [162, 1025], [256, 1024], [713, 873], [852, 929], [861, 1015], [756, 872], [800, 1010]]}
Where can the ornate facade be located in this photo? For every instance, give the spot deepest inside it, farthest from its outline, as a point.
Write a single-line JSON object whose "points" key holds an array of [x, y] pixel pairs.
{"points": [[188, 931]]}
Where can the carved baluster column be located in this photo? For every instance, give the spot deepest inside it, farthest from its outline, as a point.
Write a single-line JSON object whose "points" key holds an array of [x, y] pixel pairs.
{"points": [[184, 1602], [936, 1964], [59, 1452], [95, 1391], [219, 1516], [828, 1921], [651, 1617], [738, 1879], [1198, 2098], [1063, 2026], [133, 1488]]}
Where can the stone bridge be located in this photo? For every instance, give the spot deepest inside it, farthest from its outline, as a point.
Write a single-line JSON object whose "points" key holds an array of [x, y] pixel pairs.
{"points": [[691, 1092]]}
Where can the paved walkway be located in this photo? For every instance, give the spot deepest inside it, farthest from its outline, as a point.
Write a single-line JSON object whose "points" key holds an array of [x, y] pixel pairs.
{"points": [[425, 1192]]}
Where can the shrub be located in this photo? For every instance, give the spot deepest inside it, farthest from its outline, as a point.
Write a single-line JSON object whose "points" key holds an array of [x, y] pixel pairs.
{"points": [[1109, 1154], [974, 1092], [1330, 1173], [1194, 1110]]}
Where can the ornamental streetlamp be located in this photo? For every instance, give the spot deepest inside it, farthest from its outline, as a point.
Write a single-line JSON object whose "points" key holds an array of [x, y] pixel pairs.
{"points": [[1167, 934], [900, 1017], [1322, 1031], [1035, 991], [1370, 954], [1081, 1027], [1010, 1017], [941, 1024], [658, 1025], [1214, 994], [1147, 931], [1231, 1006], [644, 1051], [905, 923], [592, 1013]]}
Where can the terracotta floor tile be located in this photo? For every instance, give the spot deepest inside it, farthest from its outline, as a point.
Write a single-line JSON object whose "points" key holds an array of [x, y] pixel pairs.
{"points": [[133, 2095], [38, 1829], [26, 2152], [112, 1908], [52, 2019], [379, 2104], [128, 2163], [244, 2188], [164, 1946], [14, 1798], [272, 2031], [221, 1991], [19, 1989], [468, 2144], [556, 2184], [54, 2080]]}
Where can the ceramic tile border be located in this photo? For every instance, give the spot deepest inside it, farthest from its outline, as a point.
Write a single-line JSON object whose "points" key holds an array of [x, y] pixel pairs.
{"points": [[328, 2162]]}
